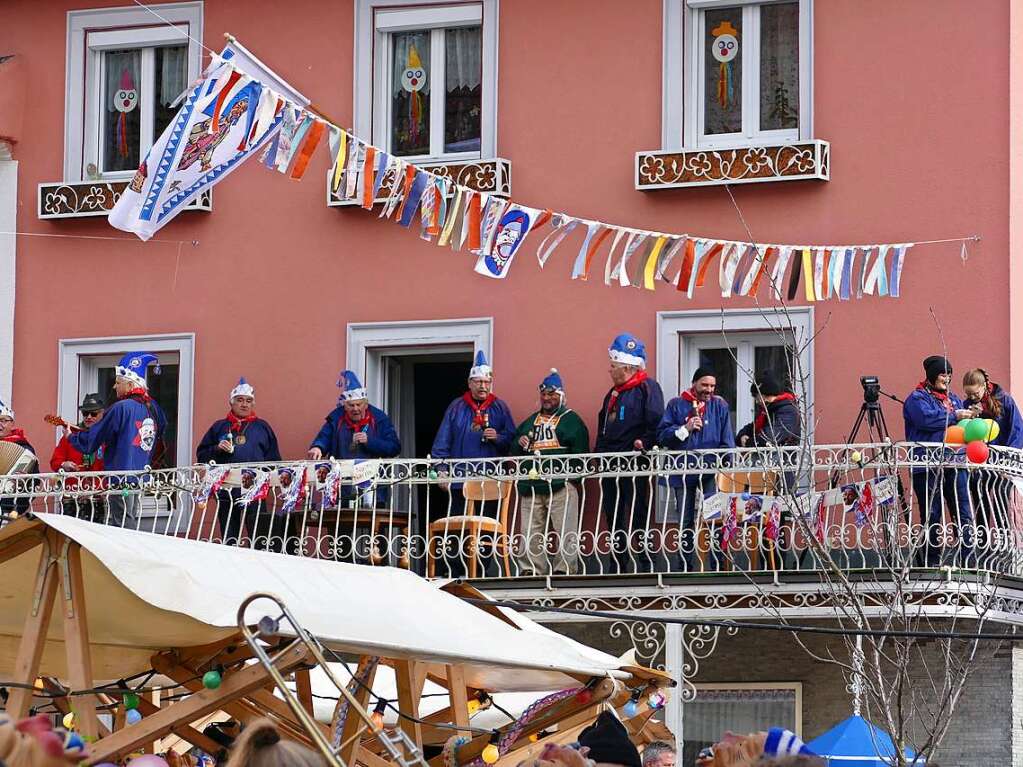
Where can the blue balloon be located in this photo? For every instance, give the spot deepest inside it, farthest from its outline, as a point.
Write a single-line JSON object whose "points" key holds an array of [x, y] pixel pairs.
{"points": [[630, 708], [133, 716]]}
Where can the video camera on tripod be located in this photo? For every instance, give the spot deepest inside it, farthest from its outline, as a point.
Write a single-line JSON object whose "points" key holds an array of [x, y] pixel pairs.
{"points": [[871, 389]]}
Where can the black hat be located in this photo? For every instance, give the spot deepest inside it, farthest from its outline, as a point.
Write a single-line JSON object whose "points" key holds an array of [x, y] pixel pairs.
{"points": [[703, 370], [935, 365], [92, 403], [609, 742], [767, 385]]}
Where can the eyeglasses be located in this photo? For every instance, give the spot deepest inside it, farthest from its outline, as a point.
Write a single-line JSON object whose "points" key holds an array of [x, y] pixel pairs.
{"points": [[91, 414]]}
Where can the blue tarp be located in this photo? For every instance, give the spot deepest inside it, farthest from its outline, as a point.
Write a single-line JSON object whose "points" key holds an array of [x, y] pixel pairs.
{"points": [[856, 742]]}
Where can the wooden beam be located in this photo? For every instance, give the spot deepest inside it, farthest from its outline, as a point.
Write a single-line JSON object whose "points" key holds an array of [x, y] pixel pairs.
{"points": [[370, 759], [408, 699], [459, 698], [304, 689], [351, 733], [235, 685], [531, 752], [76, 636], [20, 536], [37, 623], [183, 731]]}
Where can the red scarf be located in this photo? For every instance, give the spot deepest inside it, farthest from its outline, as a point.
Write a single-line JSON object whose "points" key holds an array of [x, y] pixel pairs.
{"points": [[699, 407], [941, 396], [139, 393], [479, 409], [237, 423], [355, 426], [16, 436], [761, 419], [637, 378]]}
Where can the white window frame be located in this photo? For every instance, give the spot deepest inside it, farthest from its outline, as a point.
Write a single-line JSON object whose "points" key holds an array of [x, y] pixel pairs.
{"points": [[734, 323], [375, 20], [89, 34], [366, 340], [683, 84], [796, 687], [71, 350]]}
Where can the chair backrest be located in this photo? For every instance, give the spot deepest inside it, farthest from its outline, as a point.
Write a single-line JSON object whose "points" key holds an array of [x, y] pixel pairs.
{"points": [[486, 490], [754, 482]]}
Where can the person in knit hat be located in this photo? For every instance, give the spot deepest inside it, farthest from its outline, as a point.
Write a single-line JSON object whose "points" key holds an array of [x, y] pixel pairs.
{"points": [[928, 411], [777, 422], [242, 437], [608, 742], [628, 421], [550, 506], [698, 419]]}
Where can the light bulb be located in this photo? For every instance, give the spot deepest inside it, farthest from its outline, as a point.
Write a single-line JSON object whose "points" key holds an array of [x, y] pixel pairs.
{"points": [[378, 720], [631, 709], [132, 716], [656, 700], [584, 696], [534, 738], [533, 474], [130, 700], [39, 684], [473, 705], [211, 679], [491, 754], [68, 720]]}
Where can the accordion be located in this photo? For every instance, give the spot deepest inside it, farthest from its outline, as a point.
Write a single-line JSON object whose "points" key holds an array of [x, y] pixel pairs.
{"points": [[14, 459]]}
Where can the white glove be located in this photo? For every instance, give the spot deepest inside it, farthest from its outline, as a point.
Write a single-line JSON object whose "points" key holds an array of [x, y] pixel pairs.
{"points": [[682, 433]]}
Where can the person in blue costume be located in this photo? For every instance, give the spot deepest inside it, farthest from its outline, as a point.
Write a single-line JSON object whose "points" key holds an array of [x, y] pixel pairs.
{"points": [[628, 421], [131, 434], [698, 419], [476, 425], [928, 412], [242, 437], [356, 430]]}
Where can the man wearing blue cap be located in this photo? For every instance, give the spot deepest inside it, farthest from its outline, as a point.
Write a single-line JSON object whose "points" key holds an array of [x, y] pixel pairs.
{"points": [[551, 505], [130, 432], [628, 421], [241, 437]]}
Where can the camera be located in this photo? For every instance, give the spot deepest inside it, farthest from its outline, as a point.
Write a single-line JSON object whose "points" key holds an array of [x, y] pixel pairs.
{"points": [[871, 388]]}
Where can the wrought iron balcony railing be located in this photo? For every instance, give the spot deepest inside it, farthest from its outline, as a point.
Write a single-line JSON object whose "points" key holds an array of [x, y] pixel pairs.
{"points": [[801, 508]]}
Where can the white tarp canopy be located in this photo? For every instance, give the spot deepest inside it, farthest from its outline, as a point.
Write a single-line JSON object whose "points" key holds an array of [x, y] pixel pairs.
{"points": [[147, 592]]}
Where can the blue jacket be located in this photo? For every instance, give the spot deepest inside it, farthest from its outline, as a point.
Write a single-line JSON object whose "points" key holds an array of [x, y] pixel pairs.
{"points": [[1010, 424], [335, 438], [457, 439], [715, 434], [130, 431], [926, 419], [260, 444], [637, 413]]}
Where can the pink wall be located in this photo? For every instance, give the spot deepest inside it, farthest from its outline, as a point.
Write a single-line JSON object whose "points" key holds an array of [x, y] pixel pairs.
{"points": [[919, 136]]}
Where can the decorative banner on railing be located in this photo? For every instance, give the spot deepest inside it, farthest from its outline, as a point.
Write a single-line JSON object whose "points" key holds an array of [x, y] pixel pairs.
{"points": [[212, 481], [240, 106]]}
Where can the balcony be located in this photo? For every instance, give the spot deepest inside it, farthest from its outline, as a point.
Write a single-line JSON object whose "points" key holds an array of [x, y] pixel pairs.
{"points": [[782, 515], [83, 199], [793, 161], [491, 176]]}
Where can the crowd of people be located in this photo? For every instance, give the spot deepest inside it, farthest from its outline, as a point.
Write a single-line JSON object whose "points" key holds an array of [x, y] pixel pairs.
{"points": [[632, 417]]}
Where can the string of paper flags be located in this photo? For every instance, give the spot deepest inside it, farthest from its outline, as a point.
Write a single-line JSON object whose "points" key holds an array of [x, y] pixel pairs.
{"points": [[240, 108]]}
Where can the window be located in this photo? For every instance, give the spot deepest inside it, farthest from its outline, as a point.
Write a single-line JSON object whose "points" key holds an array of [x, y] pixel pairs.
{"points": [[741, 68], [125, 68], [431, 73], [742, 708]]}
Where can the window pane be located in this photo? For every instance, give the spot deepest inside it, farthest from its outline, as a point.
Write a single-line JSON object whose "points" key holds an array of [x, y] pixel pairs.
{"points": [[714, 712], [122, 100], [410, 93], [722, 71], [776, 359], [722, 362], [171, 80], [779, 66], [463, 97]]}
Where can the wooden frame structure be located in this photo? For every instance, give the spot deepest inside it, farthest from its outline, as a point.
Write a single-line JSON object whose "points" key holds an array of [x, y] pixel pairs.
{"points": [[247, 690]]}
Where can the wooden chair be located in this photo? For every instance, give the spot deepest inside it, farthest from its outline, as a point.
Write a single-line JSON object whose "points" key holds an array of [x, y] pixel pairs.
{"points": [[472, 525], [377, 520], [754, 483]]}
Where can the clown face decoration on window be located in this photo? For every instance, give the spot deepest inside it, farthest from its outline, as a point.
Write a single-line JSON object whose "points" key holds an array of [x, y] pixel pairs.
{"points": [[413, 77], [126, 97], [724, 48]]}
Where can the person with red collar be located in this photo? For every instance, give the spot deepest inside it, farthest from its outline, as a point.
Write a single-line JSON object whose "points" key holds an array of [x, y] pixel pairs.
{"points": [[628, 421], [777, 422], [69, 459], [698, 419], [11, 433], [241, 437], [928, 412]]}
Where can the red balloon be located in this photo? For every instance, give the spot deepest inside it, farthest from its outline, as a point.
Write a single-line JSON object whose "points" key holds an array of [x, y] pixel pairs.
{"points": [[977, 451]]}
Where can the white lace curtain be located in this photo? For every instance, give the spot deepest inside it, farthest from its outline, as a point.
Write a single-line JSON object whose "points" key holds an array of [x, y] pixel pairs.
{"points": [[463, 57], [172, 63]]}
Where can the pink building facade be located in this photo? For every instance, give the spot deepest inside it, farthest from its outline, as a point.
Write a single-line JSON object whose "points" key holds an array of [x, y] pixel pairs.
{"points": [[274, 284]]}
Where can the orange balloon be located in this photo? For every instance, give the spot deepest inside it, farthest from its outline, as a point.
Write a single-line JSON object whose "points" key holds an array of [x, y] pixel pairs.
{"points": [[955, 435]]}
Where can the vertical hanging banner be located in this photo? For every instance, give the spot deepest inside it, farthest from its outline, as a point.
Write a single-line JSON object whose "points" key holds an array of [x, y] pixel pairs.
{"points": [[208, 138], [510, 233]]}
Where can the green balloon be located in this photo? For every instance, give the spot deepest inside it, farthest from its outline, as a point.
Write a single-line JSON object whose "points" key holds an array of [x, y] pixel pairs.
{"points": [[975, 430], [211, 680], [130, 700], [964, 423]]}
